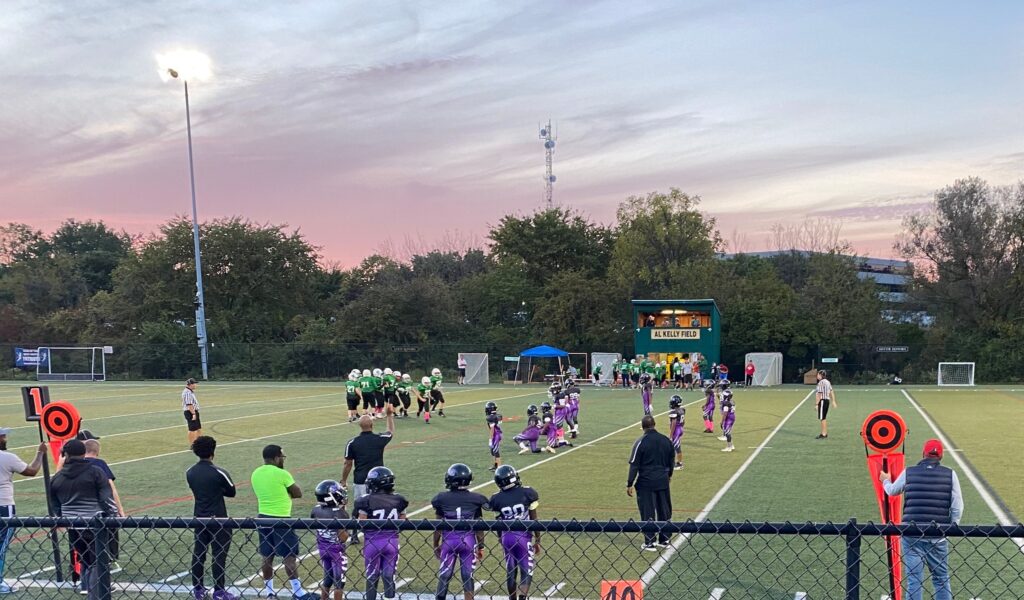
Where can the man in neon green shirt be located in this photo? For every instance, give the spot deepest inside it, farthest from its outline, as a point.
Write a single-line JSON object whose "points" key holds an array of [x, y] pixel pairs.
{"points": [[275, 488]]}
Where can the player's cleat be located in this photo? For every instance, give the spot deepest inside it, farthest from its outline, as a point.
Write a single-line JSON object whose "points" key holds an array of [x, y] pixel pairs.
{"points": [[722, 438], [572, 435], [728, 449], [224, 595], [709, 431], [198, 592], [549, 449], [493, 469], [821, 437], [7, 589], [661, 544], [649, 548], [304, 595], [440, 412], [679, 466]]}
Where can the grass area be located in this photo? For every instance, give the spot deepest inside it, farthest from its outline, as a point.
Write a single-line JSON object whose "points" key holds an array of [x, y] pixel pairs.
{"points": [[794, 477]]}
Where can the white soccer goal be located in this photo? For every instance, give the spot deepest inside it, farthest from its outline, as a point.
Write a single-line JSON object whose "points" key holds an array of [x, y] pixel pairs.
{"points": [[956, 373], [478, 370], [73, 363], [607, 359], [767, 367]]}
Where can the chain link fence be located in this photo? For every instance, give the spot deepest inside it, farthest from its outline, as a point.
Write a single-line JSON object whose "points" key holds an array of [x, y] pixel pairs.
{"points": [[149, 558]]}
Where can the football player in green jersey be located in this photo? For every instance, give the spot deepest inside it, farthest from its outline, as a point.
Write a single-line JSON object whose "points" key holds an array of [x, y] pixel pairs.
{"points": [[402, 384], [353, 395], [422, 392], [436, 395], [367, 387]]}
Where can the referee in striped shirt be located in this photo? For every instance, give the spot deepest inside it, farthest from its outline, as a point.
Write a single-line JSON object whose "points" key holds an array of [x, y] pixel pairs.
{"points": [[190, 406], [826, 396]]}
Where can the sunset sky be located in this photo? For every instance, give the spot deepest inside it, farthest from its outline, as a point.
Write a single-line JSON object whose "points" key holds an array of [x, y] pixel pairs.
{"points": [[363, 122]]}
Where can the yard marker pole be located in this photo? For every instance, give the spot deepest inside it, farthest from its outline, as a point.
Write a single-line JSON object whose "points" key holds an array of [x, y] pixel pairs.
{"points": [[50, 508]]}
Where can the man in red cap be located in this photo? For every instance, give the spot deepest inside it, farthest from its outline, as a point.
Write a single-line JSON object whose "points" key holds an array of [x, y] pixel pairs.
{"points": [[931, 493]]}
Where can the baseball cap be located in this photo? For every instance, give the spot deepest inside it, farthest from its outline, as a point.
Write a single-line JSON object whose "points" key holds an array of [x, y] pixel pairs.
{"points": [[933, 448], [5, 430], [74, 448], [85, 434], [190, 381]]}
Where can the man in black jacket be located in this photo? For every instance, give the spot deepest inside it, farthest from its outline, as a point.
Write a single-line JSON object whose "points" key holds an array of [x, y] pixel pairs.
{"points": [[80, 490], [651, 464], [210, 484]]}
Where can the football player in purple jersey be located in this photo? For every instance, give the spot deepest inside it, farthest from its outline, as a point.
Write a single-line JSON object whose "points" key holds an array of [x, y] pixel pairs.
{"points": [[463, 547], [494, 427], [528, 439], [380, 550], [676, 421], [516, 502], [330, 505]]}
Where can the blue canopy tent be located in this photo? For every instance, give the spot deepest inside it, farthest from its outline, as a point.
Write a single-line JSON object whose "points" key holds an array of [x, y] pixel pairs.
{"points": [[539, 352]]}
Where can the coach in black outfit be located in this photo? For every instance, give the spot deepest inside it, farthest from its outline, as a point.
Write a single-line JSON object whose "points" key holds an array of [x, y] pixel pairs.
{"points": [[651, 464], [210, 484], [364, 452]]}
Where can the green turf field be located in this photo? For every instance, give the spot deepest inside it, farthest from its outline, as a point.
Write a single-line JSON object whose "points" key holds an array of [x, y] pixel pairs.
{"points": [[792, 477]]}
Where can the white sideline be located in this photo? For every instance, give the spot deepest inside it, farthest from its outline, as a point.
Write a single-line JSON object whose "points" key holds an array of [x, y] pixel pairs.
{"points": [[274, 435], [681, 539]]}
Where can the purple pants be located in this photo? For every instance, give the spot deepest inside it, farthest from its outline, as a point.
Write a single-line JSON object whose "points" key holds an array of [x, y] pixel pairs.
{"points": [[518, 559], [456, 546], [645, 394], [381, 554], [677, 440], [709, 408], [727, 422], [530, 435], [574, 410], [334, 562], [496, 443], [560, 413]]}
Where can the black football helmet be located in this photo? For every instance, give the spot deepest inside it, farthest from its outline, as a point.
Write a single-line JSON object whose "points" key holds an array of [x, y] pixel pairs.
{"points": [[506, 477], [531, 410], [645, 377], [490, 408], [458, 477], [380, 479], [675, 401], [724, 384], [545, 407], [709, 384], [330, 493]]}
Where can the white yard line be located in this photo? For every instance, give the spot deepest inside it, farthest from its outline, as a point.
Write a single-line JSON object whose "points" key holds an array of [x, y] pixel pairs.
{"points": [[716, 594], [681, 539], [272, 436], [551, 591]]}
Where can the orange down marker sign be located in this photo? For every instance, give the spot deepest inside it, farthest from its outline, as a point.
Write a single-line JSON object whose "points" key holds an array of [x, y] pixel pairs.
{"points": [[622, 590]]}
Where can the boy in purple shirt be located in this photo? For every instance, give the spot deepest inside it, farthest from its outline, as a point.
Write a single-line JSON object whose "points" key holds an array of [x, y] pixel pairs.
{"points": [[528, 439], [330, 498], [494, 426], [464, 547], [516, 502], [676, 419], [380, 550]]}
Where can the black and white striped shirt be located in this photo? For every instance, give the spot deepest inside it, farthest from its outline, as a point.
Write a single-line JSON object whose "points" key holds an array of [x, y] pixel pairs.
{"points": [[824, 389], [188, 398]]}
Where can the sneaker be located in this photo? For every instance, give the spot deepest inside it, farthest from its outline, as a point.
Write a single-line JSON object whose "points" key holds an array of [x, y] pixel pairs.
{"points": [[440, 412], [649, 548], [199, 592], [224, 595], [572, 435], [493, 469], [524, 450], [722, 438], [304, 595], [7, 589], [679, 467], [661, 544], [708, 431], [821, 437], [728, 449]]}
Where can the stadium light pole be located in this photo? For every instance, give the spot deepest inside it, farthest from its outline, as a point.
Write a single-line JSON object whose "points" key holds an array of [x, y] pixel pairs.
{"points": [[195, 65]]}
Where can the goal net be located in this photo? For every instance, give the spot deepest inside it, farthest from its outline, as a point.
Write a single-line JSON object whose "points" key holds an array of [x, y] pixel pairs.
{"points": [[477, 368], [956, 373], [73, 363], [606, 360], [767, 368]]}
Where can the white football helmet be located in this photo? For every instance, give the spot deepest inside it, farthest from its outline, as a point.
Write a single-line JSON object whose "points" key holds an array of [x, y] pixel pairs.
{"points": [[425, 380], [397, 374], [366, 373], [435, 372], [406, 377], [600, 364], [388, 371], [377, 372], [353, 376]]}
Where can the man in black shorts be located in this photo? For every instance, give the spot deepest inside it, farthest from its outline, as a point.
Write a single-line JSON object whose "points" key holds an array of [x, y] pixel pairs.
{"points": [[826, 397], [190, 406], [210, 485]]}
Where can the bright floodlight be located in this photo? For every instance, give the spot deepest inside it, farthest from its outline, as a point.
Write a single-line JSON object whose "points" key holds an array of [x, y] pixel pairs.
{"points": [[189, 65]]}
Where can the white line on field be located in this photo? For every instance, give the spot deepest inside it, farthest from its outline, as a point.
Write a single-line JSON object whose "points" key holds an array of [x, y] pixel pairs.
{"points": [[800, 596], [716, 594], [174, 577], [403, 582], [551, 591], [990, 501], [681, 539], [275, 435], [478, 584]]}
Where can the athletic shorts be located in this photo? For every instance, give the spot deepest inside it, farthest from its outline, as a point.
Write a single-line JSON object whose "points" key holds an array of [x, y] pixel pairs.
{"points": [[378, 399], [688, 378], [193, 424], [392, 398], [462, 371], [823, 409], [353, 402], [277, 541], [635, 377]]}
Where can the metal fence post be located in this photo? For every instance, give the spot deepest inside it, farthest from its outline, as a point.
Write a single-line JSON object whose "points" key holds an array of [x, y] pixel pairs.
{"points": [[853, 537], [99, 577]]}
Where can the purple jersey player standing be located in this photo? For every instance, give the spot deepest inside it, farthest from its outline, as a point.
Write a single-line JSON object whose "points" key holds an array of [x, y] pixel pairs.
{"points": [[676, 420], [646, 391], [528, 439], [380, 550], [494, 426], [516, 502], [464, 547], [709, 406], [728, 419], [573, 413], [330, 497]]}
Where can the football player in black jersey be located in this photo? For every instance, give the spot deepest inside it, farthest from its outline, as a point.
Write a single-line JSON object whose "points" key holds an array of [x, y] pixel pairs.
{"points": [[513, 503], [381, 548], [464, 547], [494, 427]]}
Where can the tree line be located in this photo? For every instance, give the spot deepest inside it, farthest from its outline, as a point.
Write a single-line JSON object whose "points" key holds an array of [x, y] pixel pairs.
{"points": [[553, 276]]}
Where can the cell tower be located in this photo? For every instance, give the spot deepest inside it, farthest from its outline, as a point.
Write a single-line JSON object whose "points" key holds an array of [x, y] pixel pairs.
{"points": [[549, 137]]}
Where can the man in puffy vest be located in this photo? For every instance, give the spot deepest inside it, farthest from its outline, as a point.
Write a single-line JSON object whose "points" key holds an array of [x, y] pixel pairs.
{"points": [[931, 493]]}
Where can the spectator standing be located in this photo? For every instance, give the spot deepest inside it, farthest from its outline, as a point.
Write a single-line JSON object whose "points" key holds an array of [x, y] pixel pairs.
{"points": [[275, 488], [80, 490], [687, 375], [363, 453], [748, 373], [10, 464], [210, 485], [931, 493], [462, 369], [651, 464], [92, 456], [190, 406], [826, 396]]}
